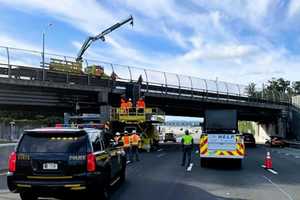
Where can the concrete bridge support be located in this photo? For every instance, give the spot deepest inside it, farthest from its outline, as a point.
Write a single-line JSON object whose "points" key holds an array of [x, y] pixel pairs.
{"points": [[264, 130], [104, 108], [295, 117], [295, 123]]}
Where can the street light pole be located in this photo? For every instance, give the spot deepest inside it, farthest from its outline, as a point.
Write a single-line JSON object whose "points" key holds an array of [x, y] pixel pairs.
{"points": [[43, 50], [43, 56]]}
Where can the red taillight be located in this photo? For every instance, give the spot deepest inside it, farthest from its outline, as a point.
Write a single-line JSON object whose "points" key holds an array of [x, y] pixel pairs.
{"points": [[91, 162], [12, 162]]}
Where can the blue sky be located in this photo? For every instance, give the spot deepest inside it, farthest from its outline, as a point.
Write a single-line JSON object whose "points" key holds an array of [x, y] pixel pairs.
{"points": [[234, 40]]}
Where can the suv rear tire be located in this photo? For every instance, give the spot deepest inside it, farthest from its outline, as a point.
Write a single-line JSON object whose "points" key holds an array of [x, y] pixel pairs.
{"points": [[28, 196], [123, 174]]}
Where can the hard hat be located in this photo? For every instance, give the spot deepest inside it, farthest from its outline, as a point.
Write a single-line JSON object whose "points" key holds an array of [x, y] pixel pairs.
{"points": [[125, 132], [118, 134], [133, 131], [129, 99]]}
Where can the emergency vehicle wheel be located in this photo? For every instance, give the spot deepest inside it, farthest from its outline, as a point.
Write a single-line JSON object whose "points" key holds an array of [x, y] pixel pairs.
{"points": [[204, 162], [239, 163]]}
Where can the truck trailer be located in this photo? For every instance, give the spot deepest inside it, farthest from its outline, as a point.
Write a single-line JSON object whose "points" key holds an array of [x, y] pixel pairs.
{"points": [[221, 138]]}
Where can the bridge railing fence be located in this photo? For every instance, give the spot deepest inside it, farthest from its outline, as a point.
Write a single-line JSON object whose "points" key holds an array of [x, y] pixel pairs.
{"points": [[28, 64]]}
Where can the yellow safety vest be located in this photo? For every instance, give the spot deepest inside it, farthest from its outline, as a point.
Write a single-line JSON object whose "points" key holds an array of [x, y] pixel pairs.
{"points": [[187, 139]]}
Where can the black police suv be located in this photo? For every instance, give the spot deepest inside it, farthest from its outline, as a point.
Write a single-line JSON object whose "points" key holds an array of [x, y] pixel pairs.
{"points": [[56, 162]]}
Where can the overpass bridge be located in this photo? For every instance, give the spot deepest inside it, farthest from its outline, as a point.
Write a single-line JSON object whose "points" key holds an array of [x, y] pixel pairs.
{"points": [[28, 85]]}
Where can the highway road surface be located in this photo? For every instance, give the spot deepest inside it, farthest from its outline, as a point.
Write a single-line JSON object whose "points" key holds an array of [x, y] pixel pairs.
{"points": [[159, 176]]}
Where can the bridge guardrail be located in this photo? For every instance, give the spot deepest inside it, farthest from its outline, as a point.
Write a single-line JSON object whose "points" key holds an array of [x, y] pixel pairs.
{"points": [[296, 101], [26, 64]]}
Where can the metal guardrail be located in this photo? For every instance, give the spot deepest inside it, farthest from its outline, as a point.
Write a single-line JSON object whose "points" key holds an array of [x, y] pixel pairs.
{"points": [[26, 64]]}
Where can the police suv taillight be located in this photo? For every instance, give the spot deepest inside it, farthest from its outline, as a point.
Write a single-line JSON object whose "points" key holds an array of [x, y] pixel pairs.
{"points": [[91, 162], [12, 162]]}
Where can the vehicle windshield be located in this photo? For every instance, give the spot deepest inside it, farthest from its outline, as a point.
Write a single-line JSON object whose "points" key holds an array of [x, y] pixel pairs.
{"points": [[62, 143]]}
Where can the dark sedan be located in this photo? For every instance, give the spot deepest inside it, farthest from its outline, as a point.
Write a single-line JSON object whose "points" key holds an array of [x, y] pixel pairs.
{"points": [[249, 140], [276, 141]]}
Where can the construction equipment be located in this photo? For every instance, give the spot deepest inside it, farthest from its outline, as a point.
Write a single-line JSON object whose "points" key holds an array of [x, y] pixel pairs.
{"points": [[221, 139], [142, 121], [96, 70], [87, 43], [59, 65]]}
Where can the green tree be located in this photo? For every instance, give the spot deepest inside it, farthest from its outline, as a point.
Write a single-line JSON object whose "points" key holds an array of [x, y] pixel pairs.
{"points": [[251, 89], [246, 126], [279, 85], [296, 87]]}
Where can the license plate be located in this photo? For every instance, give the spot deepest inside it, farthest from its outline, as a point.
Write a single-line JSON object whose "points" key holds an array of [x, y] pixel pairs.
{"points": [[50, 166]]}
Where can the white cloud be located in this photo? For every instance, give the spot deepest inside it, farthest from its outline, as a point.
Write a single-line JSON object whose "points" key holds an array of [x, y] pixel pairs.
{"points": [[154, 8], [8, 41], [217, 52], [88, 15], [294, 8], [210, 45], [175, 36]]}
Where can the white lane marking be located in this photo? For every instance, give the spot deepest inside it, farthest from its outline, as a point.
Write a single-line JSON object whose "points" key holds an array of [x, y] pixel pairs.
{"points": [[161, 155], [297, 156], [115, 181], [190, 167], [4, 191], [279, 188], [270, 170], [159, 150], [273, 171]]}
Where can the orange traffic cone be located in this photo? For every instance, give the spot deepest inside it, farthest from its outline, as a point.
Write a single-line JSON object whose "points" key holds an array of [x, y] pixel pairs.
{"points": [[268, 161]]}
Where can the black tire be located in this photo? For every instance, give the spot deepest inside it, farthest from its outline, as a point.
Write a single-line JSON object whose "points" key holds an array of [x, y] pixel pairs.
{"points": [[105, 193], [102, 189], [239, 163], [204, 162], [123, 173], [28, 196]]}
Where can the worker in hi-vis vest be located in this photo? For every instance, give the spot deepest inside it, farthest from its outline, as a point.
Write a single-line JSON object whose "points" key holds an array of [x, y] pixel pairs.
{"points": [[135, 141], [126, 145], [187, 142]]}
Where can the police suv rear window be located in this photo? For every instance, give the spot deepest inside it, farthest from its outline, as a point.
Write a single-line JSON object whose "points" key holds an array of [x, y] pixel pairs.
{"points": [[53, 143]]}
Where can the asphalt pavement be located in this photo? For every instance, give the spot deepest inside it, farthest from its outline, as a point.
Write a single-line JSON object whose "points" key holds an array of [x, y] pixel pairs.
{"points": [[159, 176]]}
